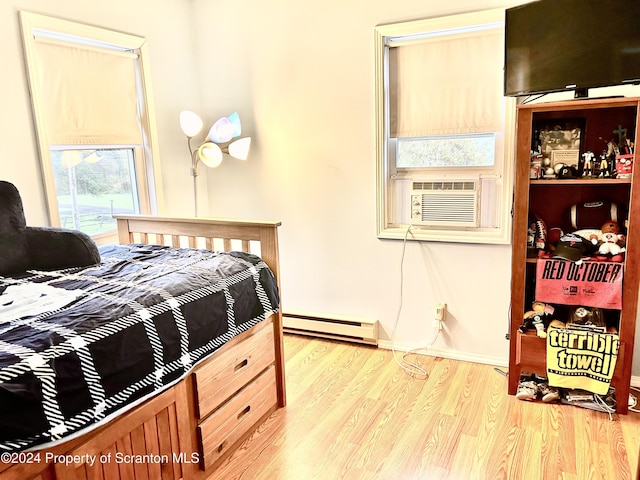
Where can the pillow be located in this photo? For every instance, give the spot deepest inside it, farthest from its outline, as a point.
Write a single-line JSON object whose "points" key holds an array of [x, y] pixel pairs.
{"points": [[58, 248], [14, 257]]}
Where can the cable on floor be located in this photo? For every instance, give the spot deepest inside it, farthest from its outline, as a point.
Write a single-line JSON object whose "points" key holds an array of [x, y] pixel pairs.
{"points": [[408, 366], [597, 399]]}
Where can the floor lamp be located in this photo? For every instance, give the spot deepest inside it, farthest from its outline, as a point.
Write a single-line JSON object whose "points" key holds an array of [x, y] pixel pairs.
{"points": [[218, 141]]}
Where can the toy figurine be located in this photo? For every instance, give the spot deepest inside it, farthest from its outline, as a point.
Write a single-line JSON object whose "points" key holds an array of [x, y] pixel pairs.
{"points": [[610, 239], [626, 145], [612, 149], [604, 165], [587, 170], [538, 318]]}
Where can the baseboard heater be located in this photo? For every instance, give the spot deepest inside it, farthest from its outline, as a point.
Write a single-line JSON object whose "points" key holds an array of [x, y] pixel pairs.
{"points": [[335, 327]]}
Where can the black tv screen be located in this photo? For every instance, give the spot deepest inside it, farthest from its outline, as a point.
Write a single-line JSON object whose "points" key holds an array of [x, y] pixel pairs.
{"points": [[558, 45]]}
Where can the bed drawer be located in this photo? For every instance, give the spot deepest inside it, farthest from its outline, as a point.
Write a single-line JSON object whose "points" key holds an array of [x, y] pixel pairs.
{"points": [[220, 378], [229, 424]]}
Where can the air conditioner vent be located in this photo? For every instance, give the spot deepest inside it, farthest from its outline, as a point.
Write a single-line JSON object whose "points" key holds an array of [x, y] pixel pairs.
{"points": [[445, 203], [441, 185]]}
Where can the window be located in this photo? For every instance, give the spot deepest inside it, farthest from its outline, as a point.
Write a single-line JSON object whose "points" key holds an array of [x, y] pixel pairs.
{"points": [[477, 150], [92, 113], [93, 185], [441, 123]]}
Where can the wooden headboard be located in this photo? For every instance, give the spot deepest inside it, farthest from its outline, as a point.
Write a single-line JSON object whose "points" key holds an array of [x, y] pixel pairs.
{"points": [[172, 231]]}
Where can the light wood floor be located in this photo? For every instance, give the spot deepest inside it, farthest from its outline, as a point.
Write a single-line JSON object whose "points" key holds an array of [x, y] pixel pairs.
{"points": [[352, 413]]}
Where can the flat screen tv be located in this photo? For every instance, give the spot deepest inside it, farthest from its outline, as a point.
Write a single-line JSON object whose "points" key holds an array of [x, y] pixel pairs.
{"points": [[559, 45]]}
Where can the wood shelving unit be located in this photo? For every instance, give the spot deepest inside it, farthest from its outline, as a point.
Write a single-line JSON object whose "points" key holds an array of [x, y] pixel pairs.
{"points": [[550, 198]]}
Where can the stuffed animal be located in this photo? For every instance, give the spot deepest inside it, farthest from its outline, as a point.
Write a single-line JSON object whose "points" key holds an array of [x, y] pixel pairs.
{"points": [[538, 318], [611, 241]]}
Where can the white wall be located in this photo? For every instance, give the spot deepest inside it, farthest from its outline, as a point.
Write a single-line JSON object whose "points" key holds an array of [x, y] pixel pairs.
{"points": [[301, 76]]}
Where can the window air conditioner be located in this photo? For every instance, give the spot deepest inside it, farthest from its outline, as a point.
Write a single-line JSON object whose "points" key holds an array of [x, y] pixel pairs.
{"points": [[445, 203]]}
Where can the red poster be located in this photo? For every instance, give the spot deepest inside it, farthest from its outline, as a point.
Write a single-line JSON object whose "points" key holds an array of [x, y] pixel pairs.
{"points": [[590, 284]]}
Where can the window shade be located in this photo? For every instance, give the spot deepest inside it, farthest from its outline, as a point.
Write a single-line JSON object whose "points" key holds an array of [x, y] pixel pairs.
{"points": [[447, 85], [89, 94]]}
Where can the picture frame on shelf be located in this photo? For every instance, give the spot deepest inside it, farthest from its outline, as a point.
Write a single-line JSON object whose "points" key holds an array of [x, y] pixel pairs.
{"points": [[560, 140]]}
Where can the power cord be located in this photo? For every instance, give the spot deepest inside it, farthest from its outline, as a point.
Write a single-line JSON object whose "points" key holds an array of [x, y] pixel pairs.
{"points": [[597, 399], [410, 367]]}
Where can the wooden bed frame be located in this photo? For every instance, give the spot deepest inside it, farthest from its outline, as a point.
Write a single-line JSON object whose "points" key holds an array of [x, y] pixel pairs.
{"points": [[188, 430]]}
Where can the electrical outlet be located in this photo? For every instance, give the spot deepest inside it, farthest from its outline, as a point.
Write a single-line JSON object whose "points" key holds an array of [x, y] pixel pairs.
{"points": [[441, 311]]}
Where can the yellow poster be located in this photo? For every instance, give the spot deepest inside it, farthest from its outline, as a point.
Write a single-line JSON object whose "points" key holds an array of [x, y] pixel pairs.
{"points": [[581, 359]]}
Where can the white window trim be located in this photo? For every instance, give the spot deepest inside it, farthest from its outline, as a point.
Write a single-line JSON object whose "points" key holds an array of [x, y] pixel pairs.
{"points": [[33, 22], [388, 230]]}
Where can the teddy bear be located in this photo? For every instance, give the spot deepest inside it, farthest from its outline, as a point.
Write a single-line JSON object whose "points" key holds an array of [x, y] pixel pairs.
{"points": [[610, 240], [537, 318]]}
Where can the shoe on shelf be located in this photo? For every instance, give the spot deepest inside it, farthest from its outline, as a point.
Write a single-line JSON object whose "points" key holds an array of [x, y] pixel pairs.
{"points": [[548, 393], [527, 390]]}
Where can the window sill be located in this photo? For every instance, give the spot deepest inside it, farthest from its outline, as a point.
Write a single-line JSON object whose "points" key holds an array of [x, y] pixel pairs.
{"points": [[480, 236]]}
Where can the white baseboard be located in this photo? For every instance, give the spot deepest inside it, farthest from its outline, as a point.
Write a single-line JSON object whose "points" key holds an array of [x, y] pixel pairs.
{"points": [[335, 327], [450, 354]]}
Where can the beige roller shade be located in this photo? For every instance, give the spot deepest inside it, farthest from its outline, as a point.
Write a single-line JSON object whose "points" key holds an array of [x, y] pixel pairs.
{"points": [[89, 94], [446, 85]]}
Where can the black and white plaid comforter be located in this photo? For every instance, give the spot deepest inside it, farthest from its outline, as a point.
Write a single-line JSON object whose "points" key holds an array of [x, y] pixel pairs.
{"points": [[106, 337]]}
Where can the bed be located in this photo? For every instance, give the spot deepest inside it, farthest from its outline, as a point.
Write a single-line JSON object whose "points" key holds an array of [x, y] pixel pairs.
{"points": [[194, 400]]}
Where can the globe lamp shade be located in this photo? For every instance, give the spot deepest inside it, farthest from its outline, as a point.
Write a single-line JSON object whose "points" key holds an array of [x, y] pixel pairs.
{"points": [[210, 154], [190, 123], [240, 148]]}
